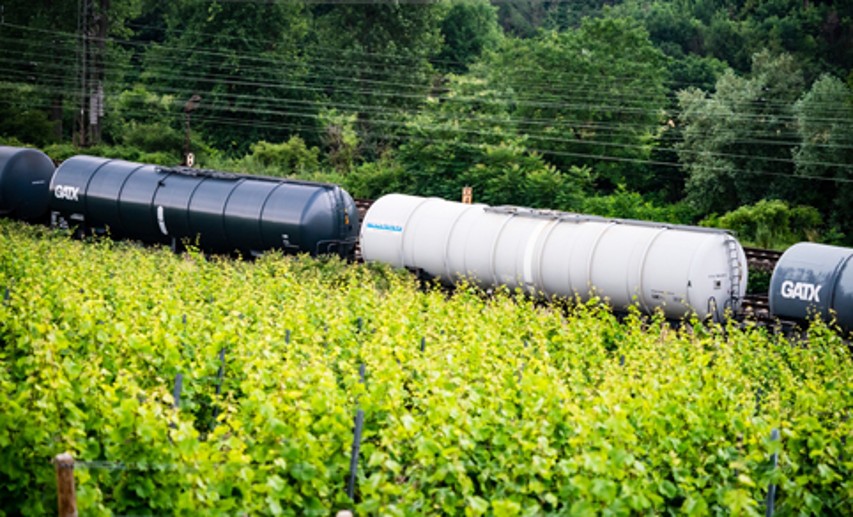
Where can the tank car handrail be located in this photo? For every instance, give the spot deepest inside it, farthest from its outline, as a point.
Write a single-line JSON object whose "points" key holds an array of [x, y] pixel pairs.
{"points": [[198, 173], [582, 218], [223, 175]]}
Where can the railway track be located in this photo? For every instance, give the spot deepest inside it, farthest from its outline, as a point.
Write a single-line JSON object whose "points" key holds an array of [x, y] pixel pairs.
{"points": [[362, 205], [762, 259], [756, 305]]}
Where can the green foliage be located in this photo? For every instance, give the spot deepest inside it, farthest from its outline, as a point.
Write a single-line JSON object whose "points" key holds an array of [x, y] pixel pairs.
{"points": [[373, 59], [725, 39], [759, 282], [148, 128], [818, 34], [824, 118], [61, 152], [771, 223], [468, 139], [141, 105], [625, 204], [340, 138], [506, 175], [469, 28], [291, 158], [730, 146], [698, 71], [574, 95], [21, 118], [668, 23], [511, 408], [375, 179], [524, 18], [31, 126], [38, 42], [242, 59], [154, 138]]}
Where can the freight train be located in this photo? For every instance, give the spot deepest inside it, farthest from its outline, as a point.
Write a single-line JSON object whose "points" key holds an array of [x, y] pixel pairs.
{"points": [[655, 266]]}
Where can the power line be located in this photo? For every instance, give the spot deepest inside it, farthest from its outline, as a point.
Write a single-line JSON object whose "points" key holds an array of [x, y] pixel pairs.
{"points": [[522, 123], [460, 99], [533, 136], [480, 146], [279, 61], [270, 110]]}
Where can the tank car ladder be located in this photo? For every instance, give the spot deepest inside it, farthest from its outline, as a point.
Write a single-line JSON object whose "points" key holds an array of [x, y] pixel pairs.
{"points": [[735, 270]]}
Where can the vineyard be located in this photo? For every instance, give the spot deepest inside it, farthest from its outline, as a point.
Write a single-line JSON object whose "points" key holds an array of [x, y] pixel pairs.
{"points": [[472, 405]]}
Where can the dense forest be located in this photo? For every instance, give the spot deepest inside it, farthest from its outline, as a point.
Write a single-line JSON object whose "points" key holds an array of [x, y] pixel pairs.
{"points": [[732, 113]]}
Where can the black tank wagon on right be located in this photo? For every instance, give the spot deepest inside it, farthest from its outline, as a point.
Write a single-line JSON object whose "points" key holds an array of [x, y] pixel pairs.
{"points": [[814, 279]]}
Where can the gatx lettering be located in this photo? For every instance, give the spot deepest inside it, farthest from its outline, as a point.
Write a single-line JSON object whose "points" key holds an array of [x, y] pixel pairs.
{"points": [[801, 291], [66, 192]]}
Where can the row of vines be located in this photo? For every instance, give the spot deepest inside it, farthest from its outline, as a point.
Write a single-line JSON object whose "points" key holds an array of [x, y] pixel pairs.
{"points": [[472, 405]]}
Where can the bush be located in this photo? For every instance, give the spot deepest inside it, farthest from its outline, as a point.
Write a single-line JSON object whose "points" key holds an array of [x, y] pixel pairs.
{"points": [[30, 126], [154, 138], [61, 152], [770, 223], [291, 157], [631, 205], [372, 180]]}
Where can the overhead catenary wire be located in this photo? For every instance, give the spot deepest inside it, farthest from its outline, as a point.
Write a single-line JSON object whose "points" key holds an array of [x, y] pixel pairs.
{"points": [[291, 112], [621, 125], [532, 136], [604, 129], [315, 47], [231, 121], [521, 101], [422, 139], [279, 61], [541, 138]]}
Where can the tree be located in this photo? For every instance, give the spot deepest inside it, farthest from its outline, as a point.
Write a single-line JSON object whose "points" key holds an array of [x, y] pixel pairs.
{"points": [[632, 205], [824, 117], [468, 139], [245, 61], [737, 143], [590, 97], [524, 18], [43, 49], [675, 30], [469, 28], [373, 60]]}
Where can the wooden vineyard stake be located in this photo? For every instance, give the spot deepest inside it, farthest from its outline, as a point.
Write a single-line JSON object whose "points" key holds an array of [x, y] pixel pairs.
{"points": [[66, 493], [467, 195]]}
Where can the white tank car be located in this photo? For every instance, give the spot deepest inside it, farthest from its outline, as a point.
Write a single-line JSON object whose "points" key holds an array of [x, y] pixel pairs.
{"points": [[677, 268]]}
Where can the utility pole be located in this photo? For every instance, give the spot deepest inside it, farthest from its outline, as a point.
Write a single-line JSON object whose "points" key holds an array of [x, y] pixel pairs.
{"points": [[96, 91], [80, 128], [92, 27]]}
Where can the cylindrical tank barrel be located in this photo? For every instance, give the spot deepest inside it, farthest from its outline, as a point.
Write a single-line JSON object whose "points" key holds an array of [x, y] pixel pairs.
{"points": [[676, 268], [814, 279], [24, 179], [226, 212]]}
